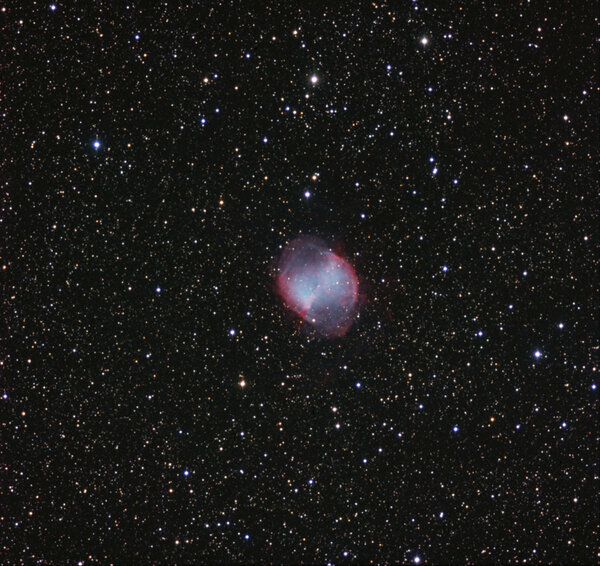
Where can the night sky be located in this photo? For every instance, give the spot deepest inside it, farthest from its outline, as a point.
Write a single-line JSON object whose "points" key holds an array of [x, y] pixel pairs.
{"points": [[160, 401]]}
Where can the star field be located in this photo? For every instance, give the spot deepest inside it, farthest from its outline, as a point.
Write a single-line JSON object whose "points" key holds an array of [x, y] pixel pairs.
{"points": [[159, 402]]}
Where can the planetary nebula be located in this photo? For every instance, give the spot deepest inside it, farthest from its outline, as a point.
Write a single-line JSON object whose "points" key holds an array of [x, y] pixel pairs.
{"points": [[318, 285]]}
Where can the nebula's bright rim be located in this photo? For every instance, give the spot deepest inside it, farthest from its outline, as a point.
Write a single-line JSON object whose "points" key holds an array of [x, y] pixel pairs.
{"points": [[318, 285]]}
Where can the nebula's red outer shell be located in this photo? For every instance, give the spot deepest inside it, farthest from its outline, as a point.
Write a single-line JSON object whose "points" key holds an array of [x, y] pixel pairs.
{"points": [[318, 285]]}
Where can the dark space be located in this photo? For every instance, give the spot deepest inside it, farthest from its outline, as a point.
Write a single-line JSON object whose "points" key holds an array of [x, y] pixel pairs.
{"points": [[161, 403]]}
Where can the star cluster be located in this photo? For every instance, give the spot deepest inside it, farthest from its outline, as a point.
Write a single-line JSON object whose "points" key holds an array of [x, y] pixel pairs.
{"points": [[158, 403]]}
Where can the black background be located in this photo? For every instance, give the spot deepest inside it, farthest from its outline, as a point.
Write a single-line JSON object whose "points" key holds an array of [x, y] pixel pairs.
{"points": [[129, 414]]}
